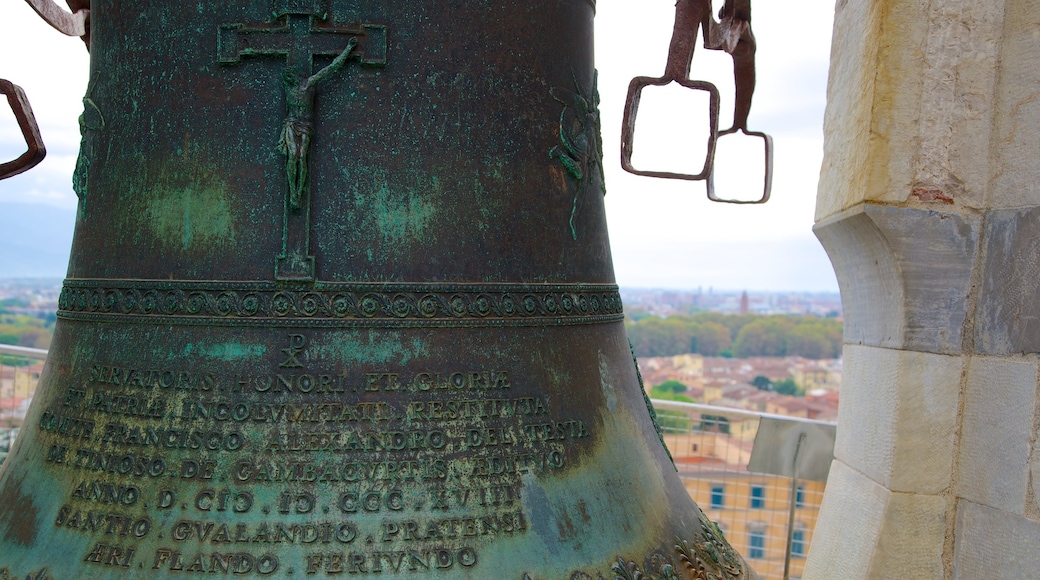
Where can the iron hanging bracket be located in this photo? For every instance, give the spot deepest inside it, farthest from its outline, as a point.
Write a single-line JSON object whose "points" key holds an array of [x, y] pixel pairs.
{"points": [[75, 23], [733, 35], [30, 132], [689, 14]]}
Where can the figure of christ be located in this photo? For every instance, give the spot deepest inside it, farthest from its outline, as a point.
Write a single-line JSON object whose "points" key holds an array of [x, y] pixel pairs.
{"points": [[296, 135]]}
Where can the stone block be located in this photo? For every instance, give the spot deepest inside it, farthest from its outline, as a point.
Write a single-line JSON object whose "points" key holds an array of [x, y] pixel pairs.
{"points": [[848, 528], [898, 417], [1008, 316], [915, 128], [850, 90], [935, 252], [993, 468], [1016, 120], [961, 50], [994, 545], [905, 274], [895, 116], [866, 270], [866, 531], [913, 534]]}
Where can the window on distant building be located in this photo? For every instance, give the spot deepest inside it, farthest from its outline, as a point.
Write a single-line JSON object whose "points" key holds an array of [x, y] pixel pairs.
{"points": [[798, 545], [799, 496], [756, 542], [758, 497], [718, 495]]}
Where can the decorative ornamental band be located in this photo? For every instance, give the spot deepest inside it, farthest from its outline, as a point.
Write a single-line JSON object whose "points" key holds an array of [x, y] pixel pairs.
{"points": [[327, 304]]}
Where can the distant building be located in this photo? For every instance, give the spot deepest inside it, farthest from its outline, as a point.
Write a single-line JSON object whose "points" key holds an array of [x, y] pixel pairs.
{"points": [[659, 302], [752, 509], [814, 375], [690, 365], [727, 382], [19, 382]]}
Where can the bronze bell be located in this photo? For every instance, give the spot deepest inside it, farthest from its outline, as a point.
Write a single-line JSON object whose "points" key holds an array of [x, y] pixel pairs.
{"points": [[341, 302]]}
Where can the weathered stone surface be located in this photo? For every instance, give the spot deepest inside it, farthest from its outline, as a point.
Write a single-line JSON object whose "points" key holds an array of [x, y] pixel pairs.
{"points": [[912, 537], [1033, 507], [998, 423], [920, 261], [850, 95], [910, 103], [960, 53], [865, 269], [902, 431], [872, 532], [1015, 139], [849, 526], [895, 104], [934, 106], [1008, 316], [994, 545]]}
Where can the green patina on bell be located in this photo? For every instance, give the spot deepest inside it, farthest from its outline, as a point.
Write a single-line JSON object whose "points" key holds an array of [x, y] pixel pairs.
{"points": [[341, 301]]}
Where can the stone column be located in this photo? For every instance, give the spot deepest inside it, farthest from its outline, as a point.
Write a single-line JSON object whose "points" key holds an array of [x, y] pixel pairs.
{"points": [[929, 207]]}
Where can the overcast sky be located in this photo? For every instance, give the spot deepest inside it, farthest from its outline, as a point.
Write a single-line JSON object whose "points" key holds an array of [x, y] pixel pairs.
{"points": [[664, 233]]}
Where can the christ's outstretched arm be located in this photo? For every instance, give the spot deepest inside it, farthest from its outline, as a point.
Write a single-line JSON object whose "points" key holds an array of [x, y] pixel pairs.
{"points": [[341, 59]]}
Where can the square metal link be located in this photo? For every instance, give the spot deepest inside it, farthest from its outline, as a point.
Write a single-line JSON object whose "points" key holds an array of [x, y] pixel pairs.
{"points": [[768, 143], [635, 90]]}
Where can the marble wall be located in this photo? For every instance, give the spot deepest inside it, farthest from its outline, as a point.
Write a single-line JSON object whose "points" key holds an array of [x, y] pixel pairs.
{"points": [[929, 207]]}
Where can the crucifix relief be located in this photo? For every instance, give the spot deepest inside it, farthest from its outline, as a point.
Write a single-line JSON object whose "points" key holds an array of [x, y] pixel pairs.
{"points": [[299, 32]]}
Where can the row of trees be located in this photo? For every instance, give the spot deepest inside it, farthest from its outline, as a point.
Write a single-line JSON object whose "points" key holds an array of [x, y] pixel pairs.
{"points": [[784, 386], [22, 330], [716, 334]]}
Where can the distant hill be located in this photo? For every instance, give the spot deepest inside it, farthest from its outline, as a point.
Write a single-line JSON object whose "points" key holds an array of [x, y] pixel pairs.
{"points": [[35, 240]]}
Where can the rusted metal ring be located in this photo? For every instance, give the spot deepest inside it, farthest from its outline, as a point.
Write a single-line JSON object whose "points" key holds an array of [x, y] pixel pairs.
{"points": [[628, 126], [768, 186]]}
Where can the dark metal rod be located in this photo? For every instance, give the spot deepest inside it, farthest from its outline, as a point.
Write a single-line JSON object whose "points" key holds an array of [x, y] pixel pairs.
{"points": [[794, 504]]}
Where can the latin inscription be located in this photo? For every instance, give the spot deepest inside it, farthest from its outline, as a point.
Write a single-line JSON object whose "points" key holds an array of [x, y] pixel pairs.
{"points": [[162, 379], [237, 563], [105, 523], [376, 562], [377, 470], [110, 555]]}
